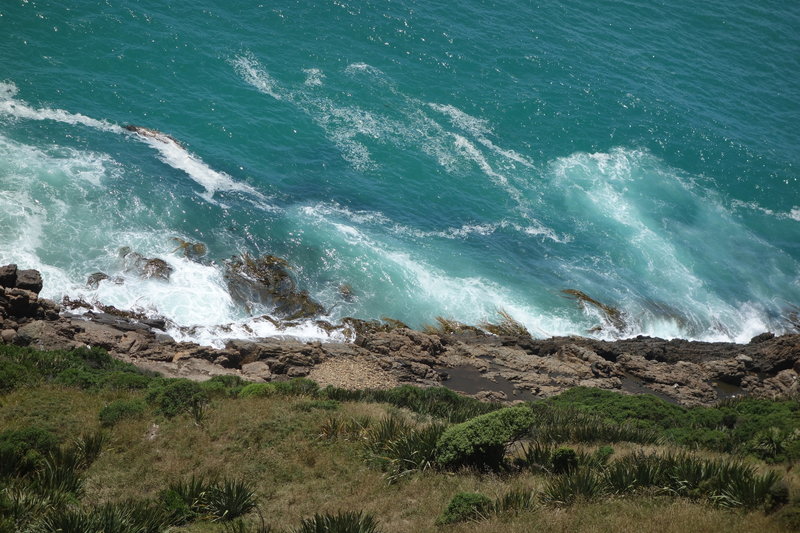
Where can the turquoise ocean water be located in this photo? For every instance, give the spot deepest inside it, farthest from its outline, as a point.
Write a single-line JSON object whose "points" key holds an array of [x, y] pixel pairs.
{"points": [[440, 158]]}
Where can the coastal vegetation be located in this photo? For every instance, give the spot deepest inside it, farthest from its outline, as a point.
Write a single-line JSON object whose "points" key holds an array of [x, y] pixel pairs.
{"points": [[89, 443]]}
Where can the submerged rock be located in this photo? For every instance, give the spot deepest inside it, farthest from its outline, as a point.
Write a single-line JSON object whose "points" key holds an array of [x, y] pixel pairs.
{"points": [[145, 267], [611, 315], [268, 281], [93, 281], [190, 250]]}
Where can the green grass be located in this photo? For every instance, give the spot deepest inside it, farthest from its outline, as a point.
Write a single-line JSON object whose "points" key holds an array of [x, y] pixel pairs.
{"points": [[90, 444]]}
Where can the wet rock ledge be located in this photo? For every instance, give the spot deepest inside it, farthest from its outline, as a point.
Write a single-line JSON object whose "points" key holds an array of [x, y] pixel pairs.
{"points": [[498, 367]]}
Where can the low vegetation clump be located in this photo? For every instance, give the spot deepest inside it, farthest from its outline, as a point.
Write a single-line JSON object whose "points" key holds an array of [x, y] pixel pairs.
{"points": [[766, 429], [90, 444], [119, 410], [466, 506]]}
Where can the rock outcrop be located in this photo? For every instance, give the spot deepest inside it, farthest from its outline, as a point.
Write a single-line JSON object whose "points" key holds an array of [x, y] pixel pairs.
{"points": [[388, 353]]}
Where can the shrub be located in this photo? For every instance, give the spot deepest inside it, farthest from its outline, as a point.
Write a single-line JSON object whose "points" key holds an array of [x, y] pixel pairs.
{"points": [[60, 473], [121, 410], [536, 456], [124, 517], [602, 455], [326, 405], [88, 447], [435, 401], [126, 380], [466, 506], [343, 522], [185, 499], [23, 450], [482, 441], [221, 501], [296, 387], [14, 375], [257, 390], [400, 449], [175, 396], [80, 378], [564, 460], [224, 385]]}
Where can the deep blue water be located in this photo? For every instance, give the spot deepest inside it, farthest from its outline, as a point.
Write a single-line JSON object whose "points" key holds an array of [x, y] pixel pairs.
{"points": [[441, 160]]}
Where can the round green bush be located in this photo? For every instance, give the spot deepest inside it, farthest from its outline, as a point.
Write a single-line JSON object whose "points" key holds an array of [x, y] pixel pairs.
{"points": [[564, 460], [120, 410], [175, 396], [465, 506], [482, 440]]}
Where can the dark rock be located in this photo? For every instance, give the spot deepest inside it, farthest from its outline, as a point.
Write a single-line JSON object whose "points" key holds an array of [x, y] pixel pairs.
{"points": [[8, 276], [22, 303], [145, 267], [163, 338], [94, 279], [268, 281], [29, 280], [761, 338], [156, 268]]}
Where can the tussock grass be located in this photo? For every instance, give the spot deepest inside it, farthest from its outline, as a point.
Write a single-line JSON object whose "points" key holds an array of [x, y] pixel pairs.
{"points": [[296, 453]]}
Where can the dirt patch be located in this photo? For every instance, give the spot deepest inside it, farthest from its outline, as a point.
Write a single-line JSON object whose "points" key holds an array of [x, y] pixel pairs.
{"points": [[352, 374]]}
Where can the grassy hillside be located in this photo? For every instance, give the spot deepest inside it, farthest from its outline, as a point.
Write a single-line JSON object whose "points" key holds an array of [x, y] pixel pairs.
{"points": [[88, 443]]}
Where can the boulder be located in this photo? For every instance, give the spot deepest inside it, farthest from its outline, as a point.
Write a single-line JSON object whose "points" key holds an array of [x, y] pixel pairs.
{"points": [[44, 335], [7, 335], [29, 280], [8, 276], [22, 303], [258, 371]]}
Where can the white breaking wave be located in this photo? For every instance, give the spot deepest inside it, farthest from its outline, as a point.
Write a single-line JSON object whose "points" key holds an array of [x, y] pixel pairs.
{"points": [[170, 152], [377, 218], [19, 109], [211, 180], [468, 299], [660, 226]]}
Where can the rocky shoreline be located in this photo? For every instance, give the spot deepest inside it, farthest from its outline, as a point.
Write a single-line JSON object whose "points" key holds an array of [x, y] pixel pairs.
{"points": [[497, 367]]}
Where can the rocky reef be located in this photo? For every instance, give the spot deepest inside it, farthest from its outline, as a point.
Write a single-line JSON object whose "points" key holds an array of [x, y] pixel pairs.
{"points": [[506, 366]]}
